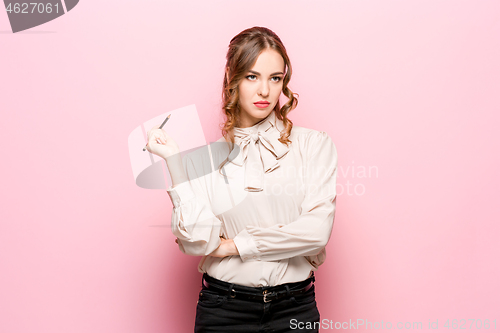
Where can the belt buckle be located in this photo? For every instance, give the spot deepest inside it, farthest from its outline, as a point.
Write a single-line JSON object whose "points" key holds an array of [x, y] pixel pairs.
{"points": [[267, 293]]}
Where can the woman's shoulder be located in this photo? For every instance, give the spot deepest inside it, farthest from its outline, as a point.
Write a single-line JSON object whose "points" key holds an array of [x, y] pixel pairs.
{"points": [[313, 145], [308, 135], [301, 131]]}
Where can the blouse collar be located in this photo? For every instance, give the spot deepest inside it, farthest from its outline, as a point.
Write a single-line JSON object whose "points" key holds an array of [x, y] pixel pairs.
{"points": [[260, 150]]}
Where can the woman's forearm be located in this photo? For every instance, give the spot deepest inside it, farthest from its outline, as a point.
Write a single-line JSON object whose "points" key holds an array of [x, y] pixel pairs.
{"points": [[176, 169]]}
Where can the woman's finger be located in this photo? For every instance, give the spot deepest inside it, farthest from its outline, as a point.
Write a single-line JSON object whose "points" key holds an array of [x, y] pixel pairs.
{"points": [[159, 138], [153, 128]]}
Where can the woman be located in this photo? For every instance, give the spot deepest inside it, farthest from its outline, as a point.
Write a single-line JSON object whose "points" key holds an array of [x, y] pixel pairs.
{"points": [[263, 220]]}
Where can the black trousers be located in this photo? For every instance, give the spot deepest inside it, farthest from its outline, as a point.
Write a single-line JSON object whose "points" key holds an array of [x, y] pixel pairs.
{"points": [[216, 311]]}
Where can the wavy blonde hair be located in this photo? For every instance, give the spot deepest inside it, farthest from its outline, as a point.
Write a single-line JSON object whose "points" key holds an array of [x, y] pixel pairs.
{"points": [[244, 49]]}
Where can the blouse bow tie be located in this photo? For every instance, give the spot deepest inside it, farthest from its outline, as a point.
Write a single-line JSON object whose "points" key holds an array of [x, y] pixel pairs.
{"points": [[260, 149]]}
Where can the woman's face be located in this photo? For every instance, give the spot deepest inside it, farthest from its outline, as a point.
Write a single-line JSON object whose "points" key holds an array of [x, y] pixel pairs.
{"points": [[263, 83]]}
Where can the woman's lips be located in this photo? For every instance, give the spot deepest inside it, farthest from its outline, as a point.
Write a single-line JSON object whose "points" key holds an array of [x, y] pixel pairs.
{"points": [[261, 105]]}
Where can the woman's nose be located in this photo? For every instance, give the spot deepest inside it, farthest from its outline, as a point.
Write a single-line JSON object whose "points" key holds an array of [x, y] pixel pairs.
{"points": [[264, 89]]}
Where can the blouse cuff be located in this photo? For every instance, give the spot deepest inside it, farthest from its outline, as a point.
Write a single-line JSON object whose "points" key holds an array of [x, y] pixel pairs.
{"points": [[180, 193], [246, 246]]}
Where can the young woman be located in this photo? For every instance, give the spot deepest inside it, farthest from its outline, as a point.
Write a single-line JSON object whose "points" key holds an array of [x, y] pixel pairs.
{"points": [[261, 219]]}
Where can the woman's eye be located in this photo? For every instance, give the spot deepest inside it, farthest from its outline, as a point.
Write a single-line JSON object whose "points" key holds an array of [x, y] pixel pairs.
{"points": [[250, 77], [278, 79]]}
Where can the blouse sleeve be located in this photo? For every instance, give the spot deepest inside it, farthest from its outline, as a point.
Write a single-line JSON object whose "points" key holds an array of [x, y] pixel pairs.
{"points": [[309, 234], [193, 222]]}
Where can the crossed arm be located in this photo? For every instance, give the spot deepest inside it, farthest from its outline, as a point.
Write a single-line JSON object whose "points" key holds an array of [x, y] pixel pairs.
{"points": [[226, 248]]}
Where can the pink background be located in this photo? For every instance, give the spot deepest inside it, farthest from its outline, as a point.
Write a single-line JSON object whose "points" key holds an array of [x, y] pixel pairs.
{"points": [[409, 88]]}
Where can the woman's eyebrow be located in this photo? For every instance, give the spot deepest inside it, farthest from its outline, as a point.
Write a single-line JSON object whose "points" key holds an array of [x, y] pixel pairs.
{"points": [[257, 73]]}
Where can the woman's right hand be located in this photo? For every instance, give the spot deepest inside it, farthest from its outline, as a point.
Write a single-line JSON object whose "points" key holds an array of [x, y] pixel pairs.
{"points": [[160, 143]]}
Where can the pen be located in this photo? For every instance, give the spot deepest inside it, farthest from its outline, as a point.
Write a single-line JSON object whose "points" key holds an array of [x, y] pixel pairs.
{"points": [[164, 122]]}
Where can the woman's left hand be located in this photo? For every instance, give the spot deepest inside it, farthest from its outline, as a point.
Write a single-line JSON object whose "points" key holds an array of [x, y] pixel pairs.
{"points": [[226, 248]]}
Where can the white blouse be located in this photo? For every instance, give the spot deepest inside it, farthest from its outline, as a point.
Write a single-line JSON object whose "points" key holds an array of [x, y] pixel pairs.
{"points": [[276, 202]]}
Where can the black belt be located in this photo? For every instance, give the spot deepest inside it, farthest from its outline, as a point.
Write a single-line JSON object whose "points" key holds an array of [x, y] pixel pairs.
{"points": [[263, 294]]}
